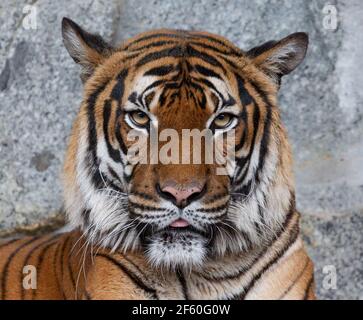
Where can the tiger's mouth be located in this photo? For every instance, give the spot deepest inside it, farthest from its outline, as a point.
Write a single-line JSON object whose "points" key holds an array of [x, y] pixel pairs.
{"points": [[179, 223], [180, 229]]}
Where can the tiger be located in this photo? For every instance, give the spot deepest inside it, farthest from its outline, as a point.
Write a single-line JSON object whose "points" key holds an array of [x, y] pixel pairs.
{"points": [[173, 230]]}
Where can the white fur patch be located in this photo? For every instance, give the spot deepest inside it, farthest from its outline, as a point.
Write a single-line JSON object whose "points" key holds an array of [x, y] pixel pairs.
{"points": [[176, 250]]}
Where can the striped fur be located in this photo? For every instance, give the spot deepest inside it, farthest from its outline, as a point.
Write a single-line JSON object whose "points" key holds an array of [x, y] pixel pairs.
{"points": [[68, 269], [243, 237]]}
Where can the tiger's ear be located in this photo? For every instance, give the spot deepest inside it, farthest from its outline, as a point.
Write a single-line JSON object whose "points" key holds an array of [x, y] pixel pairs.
{"points": [[86, 49], [277, 58]]}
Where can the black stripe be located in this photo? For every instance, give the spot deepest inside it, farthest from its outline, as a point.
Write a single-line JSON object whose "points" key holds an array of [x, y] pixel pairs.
{"points": [[211, 86], [64, 247], [297, 278], [266, 133], [207, 72], [133, 97], [240, 144], [152, 45], [28, 257], [310, 283], [55, 263], [176, 52], [220, 54], [244, 190], [112, 187], [70, 271], [162, 97], [39, 264], [153, 85], [114, 174], [160, 71], [246, 99], [256, 224], [183, 285], [215, 209], [243, 116], [192, 52], [67, 257], [256, 121], [130, 57], [197, 87], [244, 163], [9, 242], [144, 207], [7, 264], [118, 134], [136, 280], [153, 216], [155, 35], [114, 153], [92, 138], [230, 62], [233, 50], [148, 99], [209, 47], [119, 88], [228, 103], [244, 95], [193, 97]]}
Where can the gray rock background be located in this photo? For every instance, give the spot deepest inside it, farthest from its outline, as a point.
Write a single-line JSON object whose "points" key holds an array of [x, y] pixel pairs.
{"points": [[321, 104]]}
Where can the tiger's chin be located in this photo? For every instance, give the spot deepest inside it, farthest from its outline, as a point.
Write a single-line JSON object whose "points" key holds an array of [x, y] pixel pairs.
{"points": [[173, 249]]}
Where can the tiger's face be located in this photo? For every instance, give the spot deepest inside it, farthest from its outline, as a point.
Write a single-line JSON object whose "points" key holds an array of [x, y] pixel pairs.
{"points": [[150, 95], [179, 204]]}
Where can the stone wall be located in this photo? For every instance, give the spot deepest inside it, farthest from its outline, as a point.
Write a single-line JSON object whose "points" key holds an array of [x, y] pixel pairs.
{"points": [[321, 104]]}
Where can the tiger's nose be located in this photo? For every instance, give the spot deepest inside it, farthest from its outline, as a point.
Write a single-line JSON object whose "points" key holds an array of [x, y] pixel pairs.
{"points": [[181, 196]]}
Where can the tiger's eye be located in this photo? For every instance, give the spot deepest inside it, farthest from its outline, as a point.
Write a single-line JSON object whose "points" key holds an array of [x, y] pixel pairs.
{"points": [[139, 118], [222, 120]]}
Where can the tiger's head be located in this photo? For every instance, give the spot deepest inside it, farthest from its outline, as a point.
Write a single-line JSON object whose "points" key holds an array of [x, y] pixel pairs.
{"points": [[152, 91]]}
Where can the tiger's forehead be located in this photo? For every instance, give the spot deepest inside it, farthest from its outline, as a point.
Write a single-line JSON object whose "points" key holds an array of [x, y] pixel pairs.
{"points": [[171, 82], [173, 67]]}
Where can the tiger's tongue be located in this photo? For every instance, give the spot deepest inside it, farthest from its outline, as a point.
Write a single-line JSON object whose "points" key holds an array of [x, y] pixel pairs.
{"points": [[180, 223]]}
